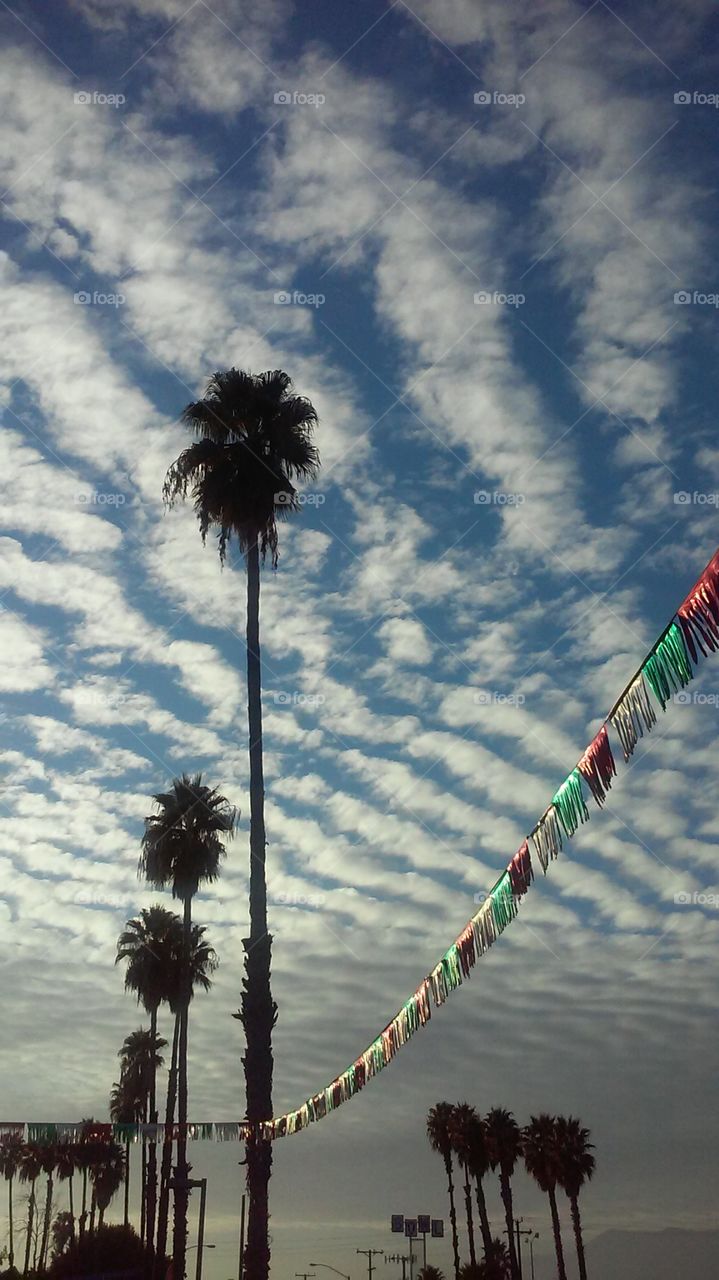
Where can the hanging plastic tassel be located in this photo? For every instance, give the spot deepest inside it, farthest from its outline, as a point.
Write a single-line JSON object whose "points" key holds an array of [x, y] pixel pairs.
{"points": [[466, 948], [698, 616], [597, 766], [547, 837], [504, 903], [520, 871], [227, 1131], [633, 714], [569, 803], [12, 1128], [483, 923], [668, 668]]}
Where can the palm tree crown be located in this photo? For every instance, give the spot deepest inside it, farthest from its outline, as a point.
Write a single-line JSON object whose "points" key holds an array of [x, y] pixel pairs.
{"points": [[254, 440], [541, 1151], [504, 1140], [147, 944], [576, 1164], [182, 845]]}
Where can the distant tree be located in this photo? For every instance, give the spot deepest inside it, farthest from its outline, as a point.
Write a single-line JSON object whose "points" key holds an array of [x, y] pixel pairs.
{"points": [[439, 1134], [49, 1163], [11, 1149], [62, 1233], [576, 1167], [30, 1170], [109, 1249], [542, 1159], [504, 1146], [107, 1173], [67, 1164], [430, 1273]]}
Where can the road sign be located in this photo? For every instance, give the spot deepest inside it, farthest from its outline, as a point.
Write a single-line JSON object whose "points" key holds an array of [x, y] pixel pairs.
{"points": [[423, 1224], [437, 1227], [398, 1222], [410, 1228]]}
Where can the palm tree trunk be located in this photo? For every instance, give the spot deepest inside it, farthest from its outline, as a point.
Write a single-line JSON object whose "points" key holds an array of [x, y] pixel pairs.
{"points": [[143, 1188], [258, 1011], [556, 1228], [577, 1224], [11, 1256], [182, 1171], [127, 1182], [83, 1215], [452, 1215], [93, 1210], [72, 1204], [100, 1218], [151, 1177], [46, 1223], [166, 1168], [30, 1215], [470, 1223], [483, 1219], [505, 1187]]}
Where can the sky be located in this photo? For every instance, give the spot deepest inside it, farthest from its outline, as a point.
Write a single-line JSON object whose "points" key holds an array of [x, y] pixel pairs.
{"points": [[479, 238]]}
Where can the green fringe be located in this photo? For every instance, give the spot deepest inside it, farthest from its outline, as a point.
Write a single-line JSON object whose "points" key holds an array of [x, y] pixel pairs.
{"points": [[451, 968], [504, 907], [668, 668], [569, 803], [42, 1133]]}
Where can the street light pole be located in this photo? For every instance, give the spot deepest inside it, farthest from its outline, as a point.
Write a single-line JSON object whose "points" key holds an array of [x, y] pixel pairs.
{"points": [[329, 1268]]}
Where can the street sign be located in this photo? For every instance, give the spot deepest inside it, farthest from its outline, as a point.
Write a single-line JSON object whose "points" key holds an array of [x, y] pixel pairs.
{"points": [[437, 1227], [423, 1224], [410, 1228], [398, 1222]]}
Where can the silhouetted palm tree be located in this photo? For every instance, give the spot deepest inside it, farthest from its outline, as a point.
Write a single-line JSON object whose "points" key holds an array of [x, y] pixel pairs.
{"points": [[48, 1160], [439, 1120], [30, 1170], [479, 1166], [183, 846], [67, 1164], [497, 1265], [541, 1156], [127, 1108], [460, 1132], [142, 944], [576, 1166], [253, 439], [83, 1156], [11, 1149], [430, 1273], [504, 1147], [140, 1057], [107, 1172]]}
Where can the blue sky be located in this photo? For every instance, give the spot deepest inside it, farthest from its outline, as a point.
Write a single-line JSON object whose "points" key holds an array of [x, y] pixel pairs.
{"points": [[496, 514]]}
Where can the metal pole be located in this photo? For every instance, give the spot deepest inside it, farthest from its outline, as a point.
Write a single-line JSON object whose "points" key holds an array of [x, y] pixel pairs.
{"points": [[242, 1240], [424, 1249], [201, 1228], [519, 1247], [411, 1259]]}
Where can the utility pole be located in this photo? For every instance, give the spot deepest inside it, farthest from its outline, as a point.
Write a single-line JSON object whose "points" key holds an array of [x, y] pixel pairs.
{"points": [[305, 1275], [370, 1254], [518, 1232]]}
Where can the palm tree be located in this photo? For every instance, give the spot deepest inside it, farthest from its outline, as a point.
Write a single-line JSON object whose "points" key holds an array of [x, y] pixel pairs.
{"points": [[49, 1164], [183, 847], [127, 1108], [142, 944], [67, 1163], [83, 1156], [107, 1173], [30, 1170], [203, 962], [140, 1058], [504, 1147], [497, 1265], [253, 439], [541, 1156], [478, 1158], [460, 1133], [11, 1149], [430, 1273], [576, 1166], [439, 1133]]}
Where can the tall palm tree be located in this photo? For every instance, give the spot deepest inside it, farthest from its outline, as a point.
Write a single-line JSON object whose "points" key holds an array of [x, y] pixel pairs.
{"points": [[576, 1166], [142, 944], [253, 438], [460, 1134], [439, 1133], [107, 1174], [504, 1147], [203, 962], [48, 1160], [478, 1159], [30, 1170], [83, 1157], [11, 1149], [183, 847], [541, 1156], [67, 1165]]}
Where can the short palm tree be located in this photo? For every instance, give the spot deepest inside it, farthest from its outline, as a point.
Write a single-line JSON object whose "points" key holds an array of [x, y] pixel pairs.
{"points": [[30, 1170], [430, 1273], [106, 1173], [504, 1147], [497, 1265], [253, 438], [460, 1132], [83, 1157], [541, 1157], [439, 1133], [49, 1164], [126, 1108], [183, 847], [11, 1149], [142, 945], [67, 1164], [576, 1167]]}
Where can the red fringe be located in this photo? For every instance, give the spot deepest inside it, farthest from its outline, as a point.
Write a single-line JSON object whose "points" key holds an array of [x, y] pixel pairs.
{"points": [[597, 766], [699, 614], [520, 871], [466, 948]]}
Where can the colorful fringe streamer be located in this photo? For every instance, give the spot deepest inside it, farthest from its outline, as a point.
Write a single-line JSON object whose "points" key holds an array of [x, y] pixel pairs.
{"points": [[597, 766], [698, 616], [633, 715], [569, 803], [547, 838], [520, 871], [667, 668]]}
